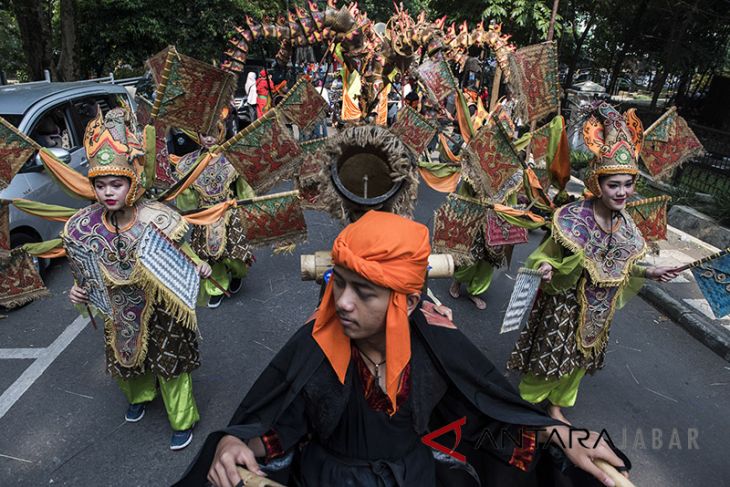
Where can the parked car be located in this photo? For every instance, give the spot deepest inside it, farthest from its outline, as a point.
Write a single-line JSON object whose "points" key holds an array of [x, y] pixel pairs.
{"points": [[54, 115]]}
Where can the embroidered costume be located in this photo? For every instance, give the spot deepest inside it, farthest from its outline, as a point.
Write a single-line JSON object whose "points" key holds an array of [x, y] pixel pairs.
{"points": [[149, 338], [222, 243], [568, 328]]}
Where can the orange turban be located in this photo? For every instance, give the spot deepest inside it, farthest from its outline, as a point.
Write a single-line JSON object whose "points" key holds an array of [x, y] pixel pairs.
{"points": [[389, 251]]}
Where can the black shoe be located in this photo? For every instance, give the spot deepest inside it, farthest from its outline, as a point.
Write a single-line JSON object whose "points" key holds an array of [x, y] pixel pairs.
{"points": [[235, 286], [215, 301]]}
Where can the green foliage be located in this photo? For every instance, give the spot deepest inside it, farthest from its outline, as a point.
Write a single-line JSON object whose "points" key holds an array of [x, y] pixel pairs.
{"points": [[12, 60], [530, 15]]}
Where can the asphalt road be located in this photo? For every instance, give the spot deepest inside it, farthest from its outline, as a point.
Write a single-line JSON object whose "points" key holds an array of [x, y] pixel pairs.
{"points": [[662, 396]]}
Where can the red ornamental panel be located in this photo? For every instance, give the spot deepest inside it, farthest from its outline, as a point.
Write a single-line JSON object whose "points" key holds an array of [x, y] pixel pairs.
{"points": [[413, 130], [263, 153]]}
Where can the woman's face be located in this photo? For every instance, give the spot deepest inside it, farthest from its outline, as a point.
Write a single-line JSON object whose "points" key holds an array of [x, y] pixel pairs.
{"points": [[616, 190], [111, 191]]}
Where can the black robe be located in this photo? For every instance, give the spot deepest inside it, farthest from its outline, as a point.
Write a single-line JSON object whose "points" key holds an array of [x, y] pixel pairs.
{"points": [[299, 396]]}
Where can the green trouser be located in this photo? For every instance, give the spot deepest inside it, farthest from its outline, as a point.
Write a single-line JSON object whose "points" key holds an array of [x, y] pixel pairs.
{"points": [[223, 272], [560, 392], [477, 277], [177, 394]]}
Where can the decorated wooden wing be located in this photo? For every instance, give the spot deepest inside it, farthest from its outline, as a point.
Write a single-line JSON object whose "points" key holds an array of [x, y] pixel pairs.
{"points": [[713, 279], [520, 302], [456, 224], [413, 129], [190, 94], [303, 105], [668, 143], [15, 150], [650, 215], [263, 153], [87, 274], [275, 219], [20, 281], [167, 266], [534, 79]]}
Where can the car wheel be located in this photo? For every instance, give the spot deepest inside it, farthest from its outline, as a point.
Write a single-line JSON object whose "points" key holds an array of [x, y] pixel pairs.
{"points": [[21, 238]]}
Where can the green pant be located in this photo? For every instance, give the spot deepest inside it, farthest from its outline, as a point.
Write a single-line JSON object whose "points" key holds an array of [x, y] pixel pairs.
{"points": [[177, 394], [477, 277], [223, 272], [560, 392]]}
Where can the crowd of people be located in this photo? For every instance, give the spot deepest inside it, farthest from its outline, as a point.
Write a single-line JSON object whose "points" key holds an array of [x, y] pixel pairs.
{"points": [[348, 399]]}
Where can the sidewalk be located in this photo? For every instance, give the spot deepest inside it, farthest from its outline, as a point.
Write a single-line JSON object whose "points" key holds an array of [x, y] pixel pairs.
{"points": [[681, 299]]}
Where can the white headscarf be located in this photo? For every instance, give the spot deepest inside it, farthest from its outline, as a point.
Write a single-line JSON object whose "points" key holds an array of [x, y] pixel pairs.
{"points": [[251, 88]]}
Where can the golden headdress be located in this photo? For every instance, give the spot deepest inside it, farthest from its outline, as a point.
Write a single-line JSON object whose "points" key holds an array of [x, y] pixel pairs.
{"points": [[615, 140], [114, 150]]}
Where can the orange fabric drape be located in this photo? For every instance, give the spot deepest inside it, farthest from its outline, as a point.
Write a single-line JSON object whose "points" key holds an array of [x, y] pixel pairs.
{"points": [[446, 150], [72, 180], [508, 210], [389, 251], [196, 172], [560, 166], [463, 117], [53, 254], [210, 215], [536, 191], [382, 107], [444, 185]]}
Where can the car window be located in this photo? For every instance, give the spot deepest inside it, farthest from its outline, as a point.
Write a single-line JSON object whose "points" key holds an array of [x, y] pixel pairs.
{"points": [[84, 110], [52, 129]]}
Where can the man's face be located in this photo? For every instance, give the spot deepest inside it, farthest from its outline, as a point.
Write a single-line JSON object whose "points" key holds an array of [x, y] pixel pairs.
{"points": [[360, 304]]}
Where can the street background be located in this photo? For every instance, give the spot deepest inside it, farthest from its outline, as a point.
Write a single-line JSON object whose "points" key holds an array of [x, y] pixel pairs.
{"points": [[68, 427]]}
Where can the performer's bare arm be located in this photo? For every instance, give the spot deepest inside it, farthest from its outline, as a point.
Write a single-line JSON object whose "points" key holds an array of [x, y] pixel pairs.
{"points": [[231, 452]]}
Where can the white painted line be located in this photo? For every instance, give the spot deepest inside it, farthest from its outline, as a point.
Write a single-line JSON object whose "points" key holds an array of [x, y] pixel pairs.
{"points": [[36, 369], [15, 458], [21, 353]]}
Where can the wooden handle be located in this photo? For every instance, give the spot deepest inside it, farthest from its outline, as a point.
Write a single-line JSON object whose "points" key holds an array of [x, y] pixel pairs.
{"points": [[91, 317], [313, 266], [614, 474], [250, 479], [218, 285], [703, 260]]}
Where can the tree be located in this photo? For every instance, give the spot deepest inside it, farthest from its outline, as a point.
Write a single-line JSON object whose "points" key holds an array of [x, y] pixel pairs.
{"points": [[34, 25]]}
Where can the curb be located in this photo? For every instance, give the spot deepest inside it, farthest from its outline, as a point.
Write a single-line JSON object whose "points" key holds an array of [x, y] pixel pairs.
{"points": [[710, 334]]}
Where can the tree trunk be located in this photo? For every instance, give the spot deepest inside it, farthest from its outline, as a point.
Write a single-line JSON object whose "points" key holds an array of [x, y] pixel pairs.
{"points": [[630, 36], [576, 52], [34, 23], [68, 67]]}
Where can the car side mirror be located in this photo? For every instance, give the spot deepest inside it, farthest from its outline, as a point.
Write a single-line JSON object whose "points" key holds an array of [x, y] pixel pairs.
{"points": [[61, 154]]}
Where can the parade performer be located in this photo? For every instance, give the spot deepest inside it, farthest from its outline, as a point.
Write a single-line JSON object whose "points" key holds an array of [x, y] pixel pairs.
{"points": [[263, 90], [586, 264], [222, 243], [354, 390], [150, 340]]}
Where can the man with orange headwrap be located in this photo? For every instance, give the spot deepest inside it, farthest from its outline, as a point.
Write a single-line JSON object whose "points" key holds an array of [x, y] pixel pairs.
{"points": [[353, 391]]}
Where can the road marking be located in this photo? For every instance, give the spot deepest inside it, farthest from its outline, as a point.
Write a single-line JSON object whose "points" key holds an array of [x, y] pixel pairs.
{"points": [[16, 458], [21, 353], [36, 369]]}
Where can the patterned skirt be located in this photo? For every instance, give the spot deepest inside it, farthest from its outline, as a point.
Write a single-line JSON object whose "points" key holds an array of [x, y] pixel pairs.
{"points": [[171, 351], [547, 346], [237, 246]]}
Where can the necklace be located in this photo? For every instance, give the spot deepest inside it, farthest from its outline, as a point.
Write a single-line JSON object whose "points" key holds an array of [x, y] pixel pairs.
{"points": [[377, 366]]}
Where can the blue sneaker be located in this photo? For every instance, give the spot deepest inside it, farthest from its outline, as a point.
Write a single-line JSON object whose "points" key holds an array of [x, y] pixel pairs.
{"points": [[181, 439], [135, 412]]}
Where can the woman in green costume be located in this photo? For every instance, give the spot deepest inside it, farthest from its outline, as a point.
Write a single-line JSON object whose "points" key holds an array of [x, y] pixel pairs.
{"points": [[587, 264], [150, 337], [222, 243]]}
